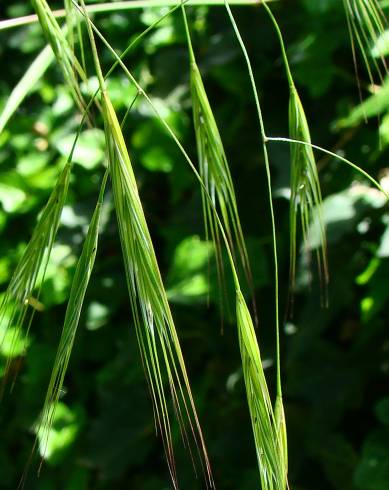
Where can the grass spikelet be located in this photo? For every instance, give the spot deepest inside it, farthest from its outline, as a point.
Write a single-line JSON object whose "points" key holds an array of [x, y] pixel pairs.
{"points": [[73, 311], [64, 52], [305, 198], [366, 23], [14, 310], [214, 170], [157, 337], [269, 431], [305, 188]]}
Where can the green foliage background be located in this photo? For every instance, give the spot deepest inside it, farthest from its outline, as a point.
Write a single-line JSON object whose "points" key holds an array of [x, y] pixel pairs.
{"points": [[335, 360]]}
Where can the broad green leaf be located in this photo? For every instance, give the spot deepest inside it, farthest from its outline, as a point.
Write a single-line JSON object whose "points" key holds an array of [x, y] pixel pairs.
{"points": [[89, 151], [372, 472], [65, 427], [189, 279], [11, 198], [12, 342], [382, 411], [96, 315], [381, 46]]}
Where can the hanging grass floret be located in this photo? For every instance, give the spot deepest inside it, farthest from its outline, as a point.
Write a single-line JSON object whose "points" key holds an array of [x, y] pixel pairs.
{"points": [[305, 198], [214, 171]]}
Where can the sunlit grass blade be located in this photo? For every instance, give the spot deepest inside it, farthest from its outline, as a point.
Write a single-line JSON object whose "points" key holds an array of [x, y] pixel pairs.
{"points": [[366, 23], [26, 84], [17, 307], [73, 311], [157, 337], [64, 53], [214, 170], [305, 199]]}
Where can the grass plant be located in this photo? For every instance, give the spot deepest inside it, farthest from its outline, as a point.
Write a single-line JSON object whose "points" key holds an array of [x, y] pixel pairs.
{"points": [[155, 328]]}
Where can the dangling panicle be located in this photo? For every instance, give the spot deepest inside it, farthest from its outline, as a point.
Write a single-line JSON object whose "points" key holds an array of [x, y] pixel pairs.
{"points": [[214, 171], [154, 325], [17, 307], [366, 23], [305, 198]]}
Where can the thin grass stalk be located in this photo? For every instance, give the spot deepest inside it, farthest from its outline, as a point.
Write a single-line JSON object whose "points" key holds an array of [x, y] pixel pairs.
{"points": [[306, 197], [155, 329], [119, 6], [280, 477], [334, 155], [74, 32]]}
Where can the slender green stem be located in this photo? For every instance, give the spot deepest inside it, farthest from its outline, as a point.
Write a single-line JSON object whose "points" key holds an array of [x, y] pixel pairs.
{"points": [[190, 47], [335, 155], [283, 50], [269, 185], [125, 5]]}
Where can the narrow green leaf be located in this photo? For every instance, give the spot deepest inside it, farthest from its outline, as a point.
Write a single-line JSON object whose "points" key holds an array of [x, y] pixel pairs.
{"points": [[26, 84]]}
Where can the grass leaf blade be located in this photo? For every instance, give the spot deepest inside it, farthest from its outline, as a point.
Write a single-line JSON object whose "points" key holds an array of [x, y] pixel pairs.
{"points": [[26, 84]]}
